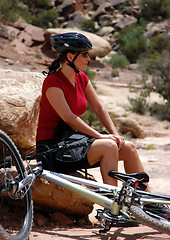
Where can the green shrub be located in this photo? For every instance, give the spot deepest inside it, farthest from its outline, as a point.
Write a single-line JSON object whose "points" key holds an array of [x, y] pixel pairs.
{"points": [[88, 25], [155, 8], [134, 48], [150, 147], [138, 105], [43, 19], [165, 8], [24, 14], [38, 56], [7, 10], [115, 72], [121, 6], [91, 74], [132, 42], [146, 65], [10, 11], [36, 3], [89, 117], [158, 44], [161, 110], [158, 65], [118, 60]]}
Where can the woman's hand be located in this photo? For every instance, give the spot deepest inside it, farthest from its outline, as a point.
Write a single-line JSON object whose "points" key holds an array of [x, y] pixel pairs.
{"points": [[118, 139]]}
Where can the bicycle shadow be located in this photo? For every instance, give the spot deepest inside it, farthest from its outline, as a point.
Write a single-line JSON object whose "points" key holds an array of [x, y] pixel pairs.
{"points": [[120, 233], [93, 233]]}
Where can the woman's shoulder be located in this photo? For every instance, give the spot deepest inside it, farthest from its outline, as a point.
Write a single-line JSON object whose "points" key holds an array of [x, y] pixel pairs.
{"points": [[83, 77], [53, 76], [52, 80], [82, 74]]}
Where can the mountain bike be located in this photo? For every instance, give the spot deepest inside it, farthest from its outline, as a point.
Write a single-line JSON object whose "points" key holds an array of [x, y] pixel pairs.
{"points": [[119, 205]]}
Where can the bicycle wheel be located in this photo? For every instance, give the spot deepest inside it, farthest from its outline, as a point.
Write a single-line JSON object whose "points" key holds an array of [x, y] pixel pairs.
{"points": [[16, 208], [158, 223]]}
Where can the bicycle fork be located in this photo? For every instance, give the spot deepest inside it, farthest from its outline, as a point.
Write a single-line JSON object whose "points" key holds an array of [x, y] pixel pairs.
{"points": [[15, 187]]}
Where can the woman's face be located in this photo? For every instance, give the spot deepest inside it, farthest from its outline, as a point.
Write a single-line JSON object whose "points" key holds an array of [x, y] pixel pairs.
{"points": [[82, 60]]}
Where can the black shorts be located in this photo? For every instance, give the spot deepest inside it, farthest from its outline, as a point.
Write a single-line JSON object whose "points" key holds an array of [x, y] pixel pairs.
{"points": [[67, 160]]}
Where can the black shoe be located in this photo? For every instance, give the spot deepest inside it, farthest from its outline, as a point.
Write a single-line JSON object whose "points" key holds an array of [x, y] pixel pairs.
{"points": [[157, 209]]}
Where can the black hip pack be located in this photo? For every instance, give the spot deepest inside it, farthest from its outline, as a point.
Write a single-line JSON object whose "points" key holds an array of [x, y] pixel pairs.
{"points": [[65, 134]]}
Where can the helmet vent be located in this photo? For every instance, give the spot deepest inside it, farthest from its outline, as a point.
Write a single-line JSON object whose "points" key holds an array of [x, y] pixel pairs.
{"points": [[66, 44]]}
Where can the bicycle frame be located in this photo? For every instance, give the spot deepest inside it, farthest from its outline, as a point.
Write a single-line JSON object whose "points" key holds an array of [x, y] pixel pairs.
{"points": [[73, 184], [66, 181]]}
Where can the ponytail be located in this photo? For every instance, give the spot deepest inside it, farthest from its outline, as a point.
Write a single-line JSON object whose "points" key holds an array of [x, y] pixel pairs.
{"points": [[54, 66], [57, 62]]}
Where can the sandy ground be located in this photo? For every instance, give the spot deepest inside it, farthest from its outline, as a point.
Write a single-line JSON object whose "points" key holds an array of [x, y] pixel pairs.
{"points": [[135, 233]]}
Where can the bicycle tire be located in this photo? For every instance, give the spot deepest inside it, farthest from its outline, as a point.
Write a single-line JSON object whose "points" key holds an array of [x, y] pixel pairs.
{"points": [[157, 224], [16, 210]]}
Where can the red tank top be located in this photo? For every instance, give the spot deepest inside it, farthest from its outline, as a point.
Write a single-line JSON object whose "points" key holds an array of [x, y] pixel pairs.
{"points": [[75, 97]]}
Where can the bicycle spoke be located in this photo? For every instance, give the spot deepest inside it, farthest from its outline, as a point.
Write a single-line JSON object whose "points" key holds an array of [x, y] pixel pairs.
{"points": [[15, 208]]}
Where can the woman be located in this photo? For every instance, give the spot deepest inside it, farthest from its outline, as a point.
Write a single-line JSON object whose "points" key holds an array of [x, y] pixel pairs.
{"points": [[64, 94]]}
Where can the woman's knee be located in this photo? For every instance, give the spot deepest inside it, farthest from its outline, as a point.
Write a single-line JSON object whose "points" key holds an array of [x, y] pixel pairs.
{"points": [[129, 147], [101, 148], [110, 146]]}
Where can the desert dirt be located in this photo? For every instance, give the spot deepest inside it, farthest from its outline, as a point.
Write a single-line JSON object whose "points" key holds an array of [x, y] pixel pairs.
{"points": [[113, 93]]}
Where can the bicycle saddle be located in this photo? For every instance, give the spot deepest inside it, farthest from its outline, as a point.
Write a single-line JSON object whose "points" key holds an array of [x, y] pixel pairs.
{"points": [[143, 176], [124, 177]]}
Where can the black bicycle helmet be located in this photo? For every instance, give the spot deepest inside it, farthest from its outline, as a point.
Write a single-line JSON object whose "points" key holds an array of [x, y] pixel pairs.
{"points": [[70, 41]]}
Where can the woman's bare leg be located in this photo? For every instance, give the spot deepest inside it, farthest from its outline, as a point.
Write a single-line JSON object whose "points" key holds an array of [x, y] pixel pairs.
{"points": [[105, 151], [132, 162]]}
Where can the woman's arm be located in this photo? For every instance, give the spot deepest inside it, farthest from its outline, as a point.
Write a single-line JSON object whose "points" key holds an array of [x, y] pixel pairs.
{"points": [[99, 109], [57, 100], [102, 114]]}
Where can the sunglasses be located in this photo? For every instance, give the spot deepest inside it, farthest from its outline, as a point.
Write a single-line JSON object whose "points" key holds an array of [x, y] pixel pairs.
{"points": [[85, 54]]}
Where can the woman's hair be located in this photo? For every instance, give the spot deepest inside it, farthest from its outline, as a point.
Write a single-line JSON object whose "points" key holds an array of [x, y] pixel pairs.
{"points": [[58, 61]]}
